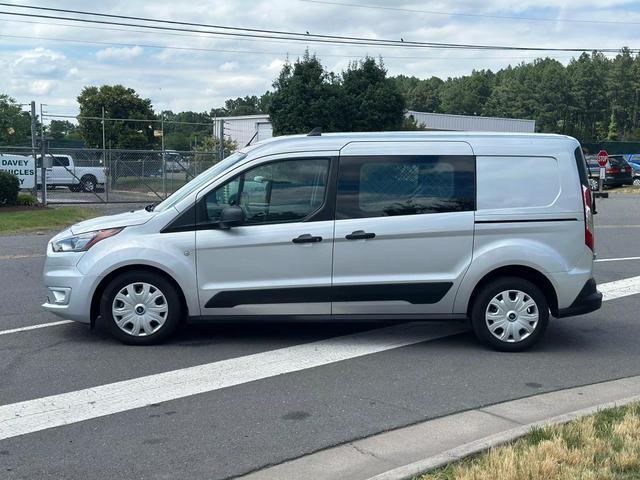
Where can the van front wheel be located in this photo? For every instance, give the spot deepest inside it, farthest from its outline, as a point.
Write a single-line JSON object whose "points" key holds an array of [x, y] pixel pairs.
{"points": [[141, 308], [510, 314]]}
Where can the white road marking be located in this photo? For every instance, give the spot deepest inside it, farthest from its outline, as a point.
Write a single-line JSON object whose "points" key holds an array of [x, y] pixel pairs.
{"points": [[620, 288], [617, 226], [17, 256], [35, 327], [620, 259], [67, 408], [80, 405]]}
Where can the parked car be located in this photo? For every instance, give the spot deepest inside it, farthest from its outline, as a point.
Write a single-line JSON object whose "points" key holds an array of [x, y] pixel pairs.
{"points": [[64, 173], [395, 226], [617, 172], [634, 161]]}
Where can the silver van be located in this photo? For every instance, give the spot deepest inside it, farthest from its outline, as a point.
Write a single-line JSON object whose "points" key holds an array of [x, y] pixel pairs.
{"points": [[491, 227]]}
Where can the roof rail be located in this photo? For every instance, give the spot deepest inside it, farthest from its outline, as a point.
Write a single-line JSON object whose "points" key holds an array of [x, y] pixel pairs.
{"points": [[316, 132]]}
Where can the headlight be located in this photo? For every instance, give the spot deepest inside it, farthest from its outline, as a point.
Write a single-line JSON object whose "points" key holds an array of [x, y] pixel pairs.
{"points": [[84, 241]]}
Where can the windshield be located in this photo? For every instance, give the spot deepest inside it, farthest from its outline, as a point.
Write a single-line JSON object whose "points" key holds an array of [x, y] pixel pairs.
{"points": [[201, 180]]}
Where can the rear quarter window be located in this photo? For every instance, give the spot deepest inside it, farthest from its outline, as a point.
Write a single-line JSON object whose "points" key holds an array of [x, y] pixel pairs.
{"points": [[517, 182]]}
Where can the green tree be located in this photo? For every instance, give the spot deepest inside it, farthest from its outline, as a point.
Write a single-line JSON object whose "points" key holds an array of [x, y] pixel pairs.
{"points": [[305, 96], [119, 102], [372, 101], [185, 130], [62, 130], [15, 125], [467, 95], [612, 133], [425, 96], [588, 108], [621, 91]]}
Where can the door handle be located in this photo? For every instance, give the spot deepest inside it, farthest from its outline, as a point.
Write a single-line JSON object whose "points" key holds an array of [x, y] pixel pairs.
{"points": [[307, 238], [360, 235]]}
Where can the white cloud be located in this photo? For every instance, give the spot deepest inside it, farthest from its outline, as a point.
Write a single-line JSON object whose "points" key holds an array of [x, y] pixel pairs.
{"points": [[229, 66], [122, 53]]}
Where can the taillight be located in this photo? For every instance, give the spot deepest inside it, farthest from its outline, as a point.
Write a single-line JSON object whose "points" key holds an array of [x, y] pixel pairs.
{"points": [[588, 218], [612, 170]]}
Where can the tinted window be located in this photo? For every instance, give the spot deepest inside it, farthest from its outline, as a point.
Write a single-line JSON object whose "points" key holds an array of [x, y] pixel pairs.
{"points": [[60, 162], [287, 190], [405, 185]]}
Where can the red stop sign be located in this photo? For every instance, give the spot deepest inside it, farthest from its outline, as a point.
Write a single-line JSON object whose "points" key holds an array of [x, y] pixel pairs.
{"points": [[603, 158]]}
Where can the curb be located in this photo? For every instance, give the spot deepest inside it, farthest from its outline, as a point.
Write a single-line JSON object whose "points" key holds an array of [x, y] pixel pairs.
{"points": [[411, 470], [406, 452]]}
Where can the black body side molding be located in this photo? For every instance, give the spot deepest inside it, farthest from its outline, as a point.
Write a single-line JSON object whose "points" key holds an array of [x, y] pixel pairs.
{"points": [[416, 293]]}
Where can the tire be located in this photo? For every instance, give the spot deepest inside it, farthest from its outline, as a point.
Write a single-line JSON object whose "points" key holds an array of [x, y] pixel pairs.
{"points": [[88, 183], [486, 302], [158, 318]]}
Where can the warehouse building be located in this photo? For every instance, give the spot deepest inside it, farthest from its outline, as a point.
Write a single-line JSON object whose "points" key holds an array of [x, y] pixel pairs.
{"points": [[249, 129]]}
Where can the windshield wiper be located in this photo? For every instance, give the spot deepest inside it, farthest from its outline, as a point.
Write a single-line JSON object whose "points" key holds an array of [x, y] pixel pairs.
{"points": [[150, 207]]}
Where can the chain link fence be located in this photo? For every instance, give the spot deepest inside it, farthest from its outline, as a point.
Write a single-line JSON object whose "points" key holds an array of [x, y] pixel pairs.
{"points": [[88, 168]]}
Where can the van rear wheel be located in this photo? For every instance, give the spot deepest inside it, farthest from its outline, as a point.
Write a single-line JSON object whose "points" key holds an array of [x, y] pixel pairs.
{"points": [[141, 308], [510, 314]]}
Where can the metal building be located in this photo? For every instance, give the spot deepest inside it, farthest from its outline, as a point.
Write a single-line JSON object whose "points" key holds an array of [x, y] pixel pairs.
{"points": [[249, 129], [245, 129], [444, 121]]}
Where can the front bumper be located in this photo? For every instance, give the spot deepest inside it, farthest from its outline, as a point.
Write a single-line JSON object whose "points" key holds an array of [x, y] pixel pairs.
{"points": [[588, 300], [78, 289]]}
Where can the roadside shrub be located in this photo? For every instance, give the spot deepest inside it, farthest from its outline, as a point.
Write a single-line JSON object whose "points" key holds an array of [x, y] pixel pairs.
{"points": [[9, 188], [26, 200]]}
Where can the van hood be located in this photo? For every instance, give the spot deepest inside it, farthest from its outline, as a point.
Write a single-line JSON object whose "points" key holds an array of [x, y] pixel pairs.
{"points": [[128, 219]]}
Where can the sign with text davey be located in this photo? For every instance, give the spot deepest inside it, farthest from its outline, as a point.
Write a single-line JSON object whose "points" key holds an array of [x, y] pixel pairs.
{"points": [[21, 166]]}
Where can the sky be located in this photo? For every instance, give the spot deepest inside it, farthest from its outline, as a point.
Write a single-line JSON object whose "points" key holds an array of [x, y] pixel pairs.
{"points": [[58, 59]]}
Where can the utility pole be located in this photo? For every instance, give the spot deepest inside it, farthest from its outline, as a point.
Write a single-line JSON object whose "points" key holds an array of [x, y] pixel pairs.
{"points": [[33, 148]]}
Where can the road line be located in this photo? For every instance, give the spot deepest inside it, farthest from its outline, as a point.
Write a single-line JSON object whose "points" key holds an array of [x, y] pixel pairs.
{"points": [[26, 255], [617, 226], [620, 288], [67, 408], [35, 327], [617, 259]]}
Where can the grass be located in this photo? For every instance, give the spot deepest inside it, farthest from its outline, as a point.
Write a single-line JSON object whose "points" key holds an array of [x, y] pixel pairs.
{"points": [[603, 446], [627, 189], [23, 220]]}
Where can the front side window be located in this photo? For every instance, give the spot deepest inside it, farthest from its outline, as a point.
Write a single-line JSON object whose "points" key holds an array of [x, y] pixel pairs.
{"points": [[282, 191], [405, 185]]}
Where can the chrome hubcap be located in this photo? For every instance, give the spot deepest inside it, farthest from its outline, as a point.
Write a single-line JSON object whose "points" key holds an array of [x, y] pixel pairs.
{"points": [[512, 316], [140, 309]]}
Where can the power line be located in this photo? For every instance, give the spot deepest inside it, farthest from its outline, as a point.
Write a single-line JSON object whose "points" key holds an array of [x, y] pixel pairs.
{"points": [[258, 52], [293, 36], [472, 15]]}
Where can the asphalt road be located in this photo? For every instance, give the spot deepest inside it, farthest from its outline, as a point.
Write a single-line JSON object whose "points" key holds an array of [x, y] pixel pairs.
{"points": [[230, 431]]}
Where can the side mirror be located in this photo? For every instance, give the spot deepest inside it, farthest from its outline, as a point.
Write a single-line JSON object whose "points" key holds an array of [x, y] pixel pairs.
{"points": [[48, 162], [231, 216]]}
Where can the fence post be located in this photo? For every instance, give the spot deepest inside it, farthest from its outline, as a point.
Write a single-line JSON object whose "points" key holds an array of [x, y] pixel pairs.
{"points": [[107, 168], [164, 160], [33, 148], [43, 169], [221, 138]]}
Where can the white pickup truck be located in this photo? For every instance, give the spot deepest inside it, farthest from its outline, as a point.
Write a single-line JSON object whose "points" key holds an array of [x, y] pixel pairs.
{"points": [[64, 173]]}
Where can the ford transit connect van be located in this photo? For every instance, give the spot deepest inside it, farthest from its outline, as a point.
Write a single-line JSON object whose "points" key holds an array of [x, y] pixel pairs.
{"points": [[495, 228]]}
